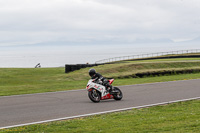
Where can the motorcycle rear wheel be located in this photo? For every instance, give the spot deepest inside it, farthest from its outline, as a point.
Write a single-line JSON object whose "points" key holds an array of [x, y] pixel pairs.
{"points": [[94, 96], [119, 94]]}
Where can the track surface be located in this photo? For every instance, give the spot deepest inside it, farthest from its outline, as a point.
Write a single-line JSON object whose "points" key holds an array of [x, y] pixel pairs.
{"points": [[23, 109]]}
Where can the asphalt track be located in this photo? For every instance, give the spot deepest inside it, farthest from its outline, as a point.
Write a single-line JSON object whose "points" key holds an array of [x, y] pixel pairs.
{"points": [[22, 109]]}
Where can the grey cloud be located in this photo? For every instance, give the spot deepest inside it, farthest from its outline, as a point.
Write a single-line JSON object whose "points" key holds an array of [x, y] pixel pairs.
{"points": [[84, 20]]}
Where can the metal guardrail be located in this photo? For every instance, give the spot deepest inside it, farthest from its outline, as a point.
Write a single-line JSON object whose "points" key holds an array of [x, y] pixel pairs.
{"points": [[109, 60]]}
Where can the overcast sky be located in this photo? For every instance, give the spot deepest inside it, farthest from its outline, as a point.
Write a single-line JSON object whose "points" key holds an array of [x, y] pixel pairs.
{"points": [[36, 21]]}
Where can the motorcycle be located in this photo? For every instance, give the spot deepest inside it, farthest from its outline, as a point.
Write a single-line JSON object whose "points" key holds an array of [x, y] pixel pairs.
{"points": [[97, 91]]}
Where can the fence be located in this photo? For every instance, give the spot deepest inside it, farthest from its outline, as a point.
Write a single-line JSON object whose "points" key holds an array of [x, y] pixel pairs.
{"points": [[109, 60], [70, 68]]}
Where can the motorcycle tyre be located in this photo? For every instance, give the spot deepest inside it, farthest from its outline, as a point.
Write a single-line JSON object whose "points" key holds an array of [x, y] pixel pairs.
{"points": [[92, 98], [115, 96]]}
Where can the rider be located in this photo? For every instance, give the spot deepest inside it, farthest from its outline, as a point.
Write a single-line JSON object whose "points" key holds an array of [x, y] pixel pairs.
{"points": [[94, 75]]}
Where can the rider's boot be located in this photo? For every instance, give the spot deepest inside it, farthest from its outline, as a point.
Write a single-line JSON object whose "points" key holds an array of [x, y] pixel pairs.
{"points": [[110, 89]]}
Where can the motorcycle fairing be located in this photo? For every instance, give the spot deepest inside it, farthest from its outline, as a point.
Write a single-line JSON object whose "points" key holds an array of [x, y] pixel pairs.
{"points": [[111, 81], [98, 87]]}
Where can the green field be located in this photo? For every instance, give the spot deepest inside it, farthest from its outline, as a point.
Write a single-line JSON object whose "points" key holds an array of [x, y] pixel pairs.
{"points": [[177, 118], [15, 81], [182, 117]]}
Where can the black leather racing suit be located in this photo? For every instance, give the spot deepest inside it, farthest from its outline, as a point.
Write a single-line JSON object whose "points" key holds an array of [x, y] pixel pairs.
{"points": [[105, 82]]}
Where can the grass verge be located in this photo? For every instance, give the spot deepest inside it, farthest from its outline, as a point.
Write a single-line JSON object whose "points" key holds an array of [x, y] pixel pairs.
{"points": [[15, 81], [177, 117], [51, 85]]}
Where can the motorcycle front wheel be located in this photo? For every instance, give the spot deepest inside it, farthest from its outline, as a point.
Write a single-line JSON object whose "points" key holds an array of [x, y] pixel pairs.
{"points": [[94, 96], [118, 95]]}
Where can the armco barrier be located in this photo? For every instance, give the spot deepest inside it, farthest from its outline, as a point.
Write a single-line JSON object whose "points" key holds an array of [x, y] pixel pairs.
{"points": [[160, 55], [148, 55], [70, 68]]}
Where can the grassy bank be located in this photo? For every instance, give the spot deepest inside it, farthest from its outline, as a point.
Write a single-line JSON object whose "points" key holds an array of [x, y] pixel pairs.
{"points": [[14, 81], [178, 117]]}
